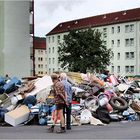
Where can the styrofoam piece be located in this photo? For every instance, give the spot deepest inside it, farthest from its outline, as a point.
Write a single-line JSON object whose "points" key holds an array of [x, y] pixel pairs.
{"points": [[95, 121], [17, 116], [43, 94], [42, 83], [85, 116]]}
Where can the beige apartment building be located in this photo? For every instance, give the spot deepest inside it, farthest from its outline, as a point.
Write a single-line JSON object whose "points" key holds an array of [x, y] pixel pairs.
{"points": [[40, 56], [120, 31]]}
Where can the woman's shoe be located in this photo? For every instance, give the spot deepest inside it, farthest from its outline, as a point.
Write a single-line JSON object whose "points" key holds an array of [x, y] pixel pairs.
{"points": [[51, 129], [61, 131], [68, 128]]}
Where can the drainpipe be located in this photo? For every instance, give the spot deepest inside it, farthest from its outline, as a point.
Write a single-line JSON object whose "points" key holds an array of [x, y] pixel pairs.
{"points": [[33, 41]]}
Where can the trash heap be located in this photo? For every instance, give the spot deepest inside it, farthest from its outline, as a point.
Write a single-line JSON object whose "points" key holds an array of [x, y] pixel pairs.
{"points": [[97, 99]]}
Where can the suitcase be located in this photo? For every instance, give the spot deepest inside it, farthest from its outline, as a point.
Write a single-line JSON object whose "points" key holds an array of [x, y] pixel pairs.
{"points": [[16, 81]]}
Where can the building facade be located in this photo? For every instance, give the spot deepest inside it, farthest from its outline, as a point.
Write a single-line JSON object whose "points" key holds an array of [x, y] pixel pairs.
{"points": [[15, 38], [120, 32], [40, 56]]}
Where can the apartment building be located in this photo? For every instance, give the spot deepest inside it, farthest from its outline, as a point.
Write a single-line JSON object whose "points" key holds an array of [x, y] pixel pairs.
{"points": [[15, 38], [120, 32], [40, 56]]}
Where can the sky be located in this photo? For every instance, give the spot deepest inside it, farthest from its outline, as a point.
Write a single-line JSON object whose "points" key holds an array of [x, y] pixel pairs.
{"points": [[49, 13]]}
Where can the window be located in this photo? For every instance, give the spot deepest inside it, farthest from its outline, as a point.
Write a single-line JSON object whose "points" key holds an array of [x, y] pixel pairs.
{"points": [[129, 28], [112, 56], [126, 69], [126, 28], [38, 65], [104, 35], [104, 32], [49, 39], [53, 39], [41, 65], [41, 72], [131, 41], [126, 42], [118, 56], [112, 69], [58, 38], [129, 69], [41, 59], [131, 55], [49, 71], [118, 69], [53, 69], [118, 29], [118, 43], [53, 49], [127, 55], [53, 60], [132, 69], [49, 60], [132, 28], [49, 50], [105, 43], [112, 43], [112, 30]]}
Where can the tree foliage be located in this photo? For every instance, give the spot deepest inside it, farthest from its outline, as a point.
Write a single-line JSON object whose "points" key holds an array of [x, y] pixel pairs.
{"points": [[84, 50]]}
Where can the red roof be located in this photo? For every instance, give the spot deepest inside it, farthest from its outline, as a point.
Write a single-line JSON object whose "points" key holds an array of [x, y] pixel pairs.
{"points": [[99, 20], [40, 43]]}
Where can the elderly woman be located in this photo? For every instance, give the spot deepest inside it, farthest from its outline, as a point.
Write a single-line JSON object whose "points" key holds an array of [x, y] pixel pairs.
{"points": [[60, 101]]}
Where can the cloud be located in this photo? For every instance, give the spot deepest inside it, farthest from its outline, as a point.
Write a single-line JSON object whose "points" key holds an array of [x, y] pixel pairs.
{"points": [[50, 6], [49, 13]]}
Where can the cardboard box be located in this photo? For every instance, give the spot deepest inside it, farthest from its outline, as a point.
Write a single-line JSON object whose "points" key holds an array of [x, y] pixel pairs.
{"points": [[17, 116]]}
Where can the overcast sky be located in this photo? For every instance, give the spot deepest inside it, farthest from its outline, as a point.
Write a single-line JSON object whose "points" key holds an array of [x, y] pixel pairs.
{"points": [[49, 13]]}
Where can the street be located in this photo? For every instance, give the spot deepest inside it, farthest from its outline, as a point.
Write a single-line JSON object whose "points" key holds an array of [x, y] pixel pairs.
{"points": [[115, 130]]}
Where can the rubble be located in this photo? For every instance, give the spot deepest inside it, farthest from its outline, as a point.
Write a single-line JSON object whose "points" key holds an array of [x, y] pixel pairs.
{"points": [[97, 99]]}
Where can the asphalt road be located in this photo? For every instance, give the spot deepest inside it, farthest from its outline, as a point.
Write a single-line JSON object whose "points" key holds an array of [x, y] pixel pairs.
{"points": [[117, 130]]}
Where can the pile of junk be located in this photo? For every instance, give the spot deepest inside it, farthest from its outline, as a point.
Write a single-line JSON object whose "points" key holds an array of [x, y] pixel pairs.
{"points": [[98, 99]]}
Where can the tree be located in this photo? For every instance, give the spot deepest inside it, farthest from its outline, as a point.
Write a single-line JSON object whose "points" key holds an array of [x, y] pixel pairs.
{"points": [[84, 50]]}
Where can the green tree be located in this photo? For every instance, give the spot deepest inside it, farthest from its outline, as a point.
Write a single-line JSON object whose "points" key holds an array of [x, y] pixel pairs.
{"points": [[84, 50]]}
